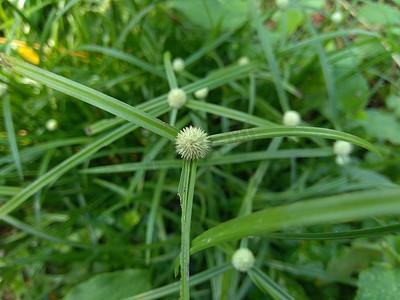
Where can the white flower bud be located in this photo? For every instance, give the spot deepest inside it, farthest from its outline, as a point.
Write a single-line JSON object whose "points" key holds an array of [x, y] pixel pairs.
{"points": [[244, 60], [291, 118], [201, 94], [243, 259], [282, 4], [342, 148], [176, 98], [51, 125], [337, 17], [192, 143], [178, 64]]}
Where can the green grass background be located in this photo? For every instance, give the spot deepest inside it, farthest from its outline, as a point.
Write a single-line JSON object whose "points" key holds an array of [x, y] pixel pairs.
{"points": [[90, 210]]}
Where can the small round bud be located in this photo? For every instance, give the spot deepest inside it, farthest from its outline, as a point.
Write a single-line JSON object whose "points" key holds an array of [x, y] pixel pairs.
{"points": [[244, 60], [192, 143], [342, 160], [51, 125], [176, 98], [201, 94], [337, 17], [291, 118], [243, 259], [282, 4], [178, 64], [342, 148]]}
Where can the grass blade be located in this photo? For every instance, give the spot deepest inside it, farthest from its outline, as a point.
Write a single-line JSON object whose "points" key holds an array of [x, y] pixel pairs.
{"points": [[354, 206], [338, 235], [323, 37], [270, 56], [285, 131], [226, 112], [174, 287], [173, 83], [266, 284], [90, 96], [124, 57], [64, 167], [326, 70], [40, 148], [213, 161], [11, 135], [311, 272]]}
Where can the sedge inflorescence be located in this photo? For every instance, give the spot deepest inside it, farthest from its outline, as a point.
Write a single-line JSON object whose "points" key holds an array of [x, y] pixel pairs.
{"points": [[291, 118], [178, 64], [176, 98], [192, 143], [243, 259], [342, 150], [244, 60], [201, 94], [337, 17]]}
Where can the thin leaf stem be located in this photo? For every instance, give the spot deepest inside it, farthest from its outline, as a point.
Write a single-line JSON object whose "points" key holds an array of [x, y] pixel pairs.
{"points": [[186, 191]]}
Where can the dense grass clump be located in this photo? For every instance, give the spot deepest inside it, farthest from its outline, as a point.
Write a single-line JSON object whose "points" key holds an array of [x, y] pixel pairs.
{"points": [[199, 149]]}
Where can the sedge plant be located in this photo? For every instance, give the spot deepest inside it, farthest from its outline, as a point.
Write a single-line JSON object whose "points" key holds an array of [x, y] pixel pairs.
{"points": [[233, 191]]}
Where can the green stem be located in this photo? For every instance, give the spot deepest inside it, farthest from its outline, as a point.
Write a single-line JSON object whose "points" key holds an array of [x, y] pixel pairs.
{"points": [[185, 191]]}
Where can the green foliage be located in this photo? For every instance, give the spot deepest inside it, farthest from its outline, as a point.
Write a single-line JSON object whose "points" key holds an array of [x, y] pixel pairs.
{"points": [[113, 286], [376, 283], [382, 125], [210, 14], [95, 203]]}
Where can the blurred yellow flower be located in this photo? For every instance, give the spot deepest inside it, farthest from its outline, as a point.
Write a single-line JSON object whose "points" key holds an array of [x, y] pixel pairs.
{"points": [[29, 54]]}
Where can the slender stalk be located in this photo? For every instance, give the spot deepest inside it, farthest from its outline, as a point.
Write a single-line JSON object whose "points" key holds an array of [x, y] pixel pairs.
{"points": [[172, 82], [185, 192]]}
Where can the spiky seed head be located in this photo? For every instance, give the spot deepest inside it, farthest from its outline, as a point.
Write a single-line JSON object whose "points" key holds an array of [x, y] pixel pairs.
{"points": [[201, 94], [244, 60], [342, 148], [282, 4], [178, 64], [176, 98], [243, 259], [291, 118], [192, 143], [337, 17]]}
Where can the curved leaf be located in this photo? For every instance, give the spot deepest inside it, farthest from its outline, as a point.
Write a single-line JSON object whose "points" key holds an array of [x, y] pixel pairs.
{"points": [[352, 206], [90, 96], [285, 131]]}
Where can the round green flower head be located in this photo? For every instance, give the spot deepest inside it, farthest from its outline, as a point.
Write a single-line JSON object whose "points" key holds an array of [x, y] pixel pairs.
{"points": [[201, 94], [243, 259], [51, 125], [291, 118], [244, 60], [337, 17], [176, 98], [192, 143], [178, 64], [342, 148]]}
